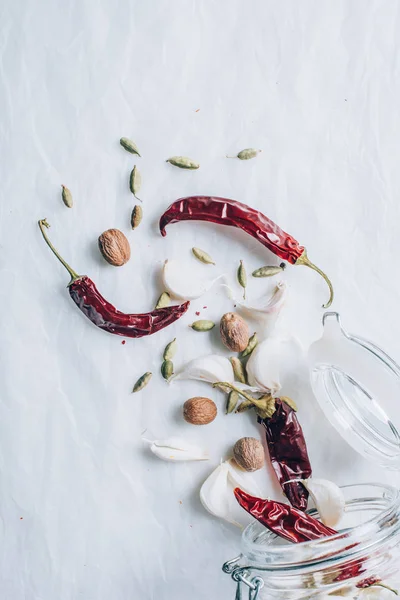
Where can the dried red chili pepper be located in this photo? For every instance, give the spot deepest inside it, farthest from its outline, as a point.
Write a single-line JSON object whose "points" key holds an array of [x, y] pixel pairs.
{"points": [[285, 521], [103, 314], [288, 452], [253, 222]]}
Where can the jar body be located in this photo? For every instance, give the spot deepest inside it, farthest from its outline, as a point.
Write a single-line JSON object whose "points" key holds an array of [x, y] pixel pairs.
{"points": [[366, 550]]}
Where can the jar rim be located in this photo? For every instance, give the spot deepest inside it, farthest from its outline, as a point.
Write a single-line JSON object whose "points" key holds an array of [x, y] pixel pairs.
{"points": [[345, 544]]}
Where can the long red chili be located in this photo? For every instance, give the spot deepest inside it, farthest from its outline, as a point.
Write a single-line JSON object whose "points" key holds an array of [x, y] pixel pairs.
{"points": [[288, 452], [103, 314], [235, 214]]}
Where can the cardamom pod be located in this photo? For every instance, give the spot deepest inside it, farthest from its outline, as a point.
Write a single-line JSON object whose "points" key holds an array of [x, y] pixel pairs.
{"points": [[253, 341], [183, 162], [238, 369], [170, 350], [167, 369], [246, 154], [142, 382], [135, 182], [67, 197], [265, 406], [231, 403], [268, 271], [163, 301], [289, 401], [129, 145], [136, 216], [202, 325], [203, 256], [242, 278]]}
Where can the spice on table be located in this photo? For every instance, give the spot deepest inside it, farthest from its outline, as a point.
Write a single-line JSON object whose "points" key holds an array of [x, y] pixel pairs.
{"points": [[185, 282], [202, 325], [114, 247], [253, 341], [246, 154], [234, 332], [135, 182], [67, 197], [238, 369], [163, 301], [248, 452], [142, 382], [167, 369], [136, 216], [103, 314], [285, 521], [129, 145], [235, 214], [231, 402], [202, 256], [183, 162], [265, 405], [269, 271], [209, 368], [170, 350], [242, 278], [199, 411]]}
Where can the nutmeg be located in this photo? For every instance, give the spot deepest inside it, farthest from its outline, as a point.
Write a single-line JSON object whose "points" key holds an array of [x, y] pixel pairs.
{"points": [[199, 411], [114, 247], [234, 332], [248, 452]]}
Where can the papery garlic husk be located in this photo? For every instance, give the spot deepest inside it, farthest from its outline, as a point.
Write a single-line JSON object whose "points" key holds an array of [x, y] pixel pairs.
{"points": [[375, 592], [217, 497], [210, 368], [328, 499], [186, 282], [176, 449], [272, 362]]}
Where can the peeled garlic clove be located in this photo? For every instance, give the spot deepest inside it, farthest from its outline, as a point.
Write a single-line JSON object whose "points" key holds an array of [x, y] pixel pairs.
{"points": [[186, 282], [175, 449], [271, 307], [328, 499], [217, 497], [273, 362], [210, 368]]}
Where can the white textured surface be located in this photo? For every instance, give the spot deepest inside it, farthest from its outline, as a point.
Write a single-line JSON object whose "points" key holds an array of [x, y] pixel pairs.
{"points": [[86, 511]]}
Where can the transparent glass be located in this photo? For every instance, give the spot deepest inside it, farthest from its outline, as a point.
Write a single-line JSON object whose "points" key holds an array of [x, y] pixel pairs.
{"points": [[367, 545]]}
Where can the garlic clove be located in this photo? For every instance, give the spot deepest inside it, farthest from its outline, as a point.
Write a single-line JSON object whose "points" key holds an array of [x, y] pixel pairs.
{"points": [[217, 497], [186, 282], [210, 368], [267, 311], [328, 499], [175, 449]]}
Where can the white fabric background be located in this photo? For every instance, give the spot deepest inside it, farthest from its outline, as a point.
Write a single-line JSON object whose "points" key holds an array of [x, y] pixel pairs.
{"points": [[85, 511]]}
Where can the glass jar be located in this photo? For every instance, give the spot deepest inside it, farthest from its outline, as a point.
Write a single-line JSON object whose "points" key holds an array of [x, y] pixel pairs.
{"points": [[358, 387]]}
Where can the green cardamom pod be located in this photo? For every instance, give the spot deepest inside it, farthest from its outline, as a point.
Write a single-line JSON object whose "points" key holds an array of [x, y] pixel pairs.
{"points": [[238, 370], [268, 271], [202, 325], [183, 162], [203, 256], [242, 278], [142, 382], [246, 154], [163, 301], [253, 341], [167, 369], [136, 216], [135, 182], [231, 403], [67, 197], [129, 145], [170, 350]]}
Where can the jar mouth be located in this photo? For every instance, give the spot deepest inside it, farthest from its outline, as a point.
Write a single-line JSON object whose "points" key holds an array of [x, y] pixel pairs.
{"points": [[371, 518]]}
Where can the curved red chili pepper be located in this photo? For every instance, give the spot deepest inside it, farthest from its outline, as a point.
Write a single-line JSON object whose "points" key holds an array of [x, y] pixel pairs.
{"points": [[235, 214], [104, 315]]}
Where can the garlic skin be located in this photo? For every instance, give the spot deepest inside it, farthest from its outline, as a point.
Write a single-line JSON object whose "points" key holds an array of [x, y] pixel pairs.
{"points": [[175, 449], [273, 362], [210, 368], [374, 592], [267, 312], [328, 499], [186, 282], [217, 497]]}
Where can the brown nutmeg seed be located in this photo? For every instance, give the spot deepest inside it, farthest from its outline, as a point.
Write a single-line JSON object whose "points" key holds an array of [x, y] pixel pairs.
{"points": [[114, 247], [249, 454], [199, 411], [234, 332]]}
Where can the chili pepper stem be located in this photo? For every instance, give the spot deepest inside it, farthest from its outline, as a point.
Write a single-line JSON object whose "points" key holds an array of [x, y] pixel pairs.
{"points": [[44, 224], [304, 260], [387, 587]]}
